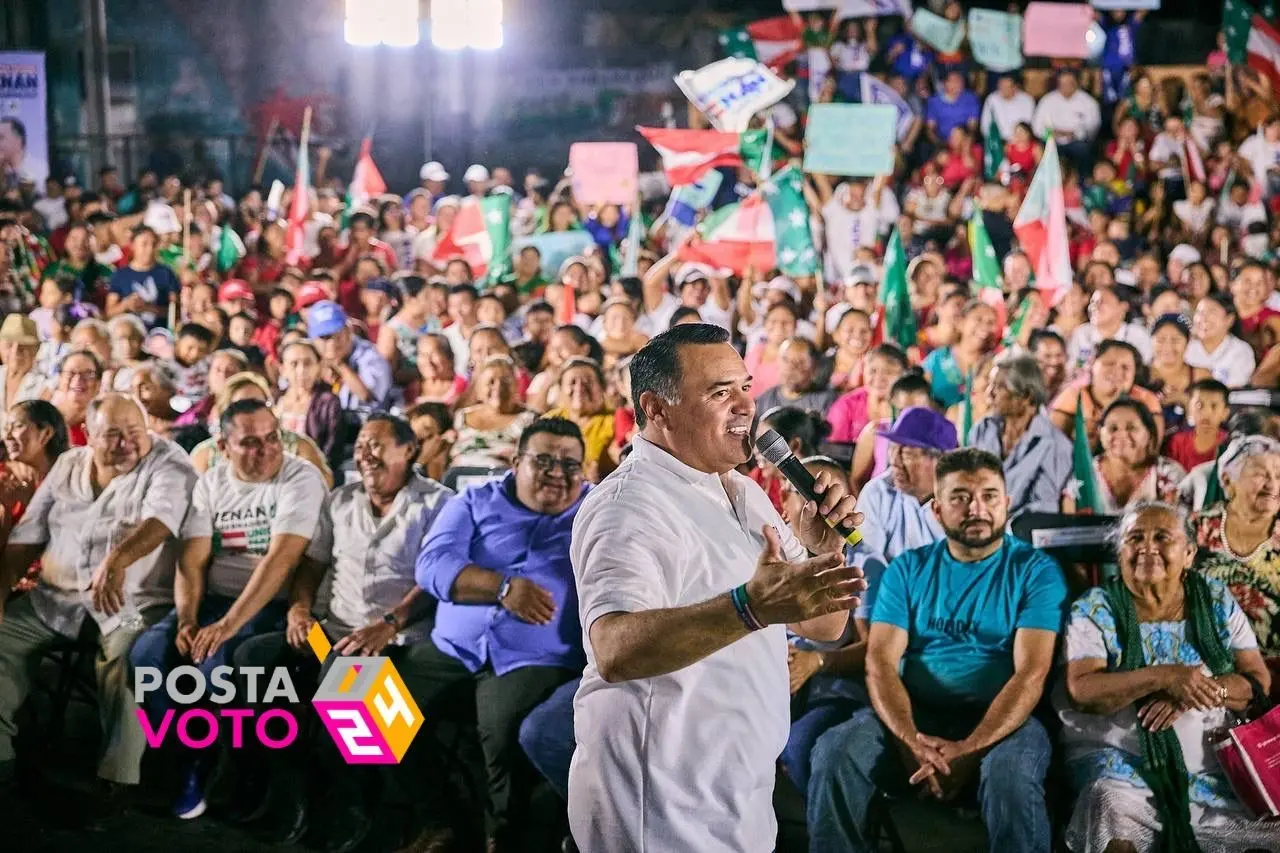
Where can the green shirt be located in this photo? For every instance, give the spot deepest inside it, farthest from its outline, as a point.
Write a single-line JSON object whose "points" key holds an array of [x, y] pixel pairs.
{"points": [[91, 277], [524, 288]]}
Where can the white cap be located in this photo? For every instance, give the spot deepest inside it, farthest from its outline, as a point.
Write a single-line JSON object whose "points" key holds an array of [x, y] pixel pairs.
{"points": [[782, 284], [1184, 254], [433, 171], [161, 218], [476, 173], [691, 272]]}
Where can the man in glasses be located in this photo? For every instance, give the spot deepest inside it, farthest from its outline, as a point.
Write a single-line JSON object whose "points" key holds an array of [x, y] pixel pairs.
{"points": [[250, 521], [497, 558]]}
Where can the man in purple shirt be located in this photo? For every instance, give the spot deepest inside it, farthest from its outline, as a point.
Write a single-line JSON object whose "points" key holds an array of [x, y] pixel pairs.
{"points": [[497, 558], [955, 106]]}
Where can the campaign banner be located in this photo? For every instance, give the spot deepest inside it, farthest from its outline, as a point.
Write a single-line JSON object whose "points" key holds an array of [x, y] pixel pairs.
{"points": [[995, 38], [1056, 30], [24, 130], [876, 91], [1126, 5], [936, 31], [873, 8], [855, 140], [604, 172], [732, 90], [556, 247]]}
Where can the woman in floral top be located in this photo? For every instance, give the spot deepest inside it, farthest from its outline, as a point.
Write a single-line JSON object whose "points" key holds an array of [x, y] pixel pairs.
{"points": [[1239, 539]]}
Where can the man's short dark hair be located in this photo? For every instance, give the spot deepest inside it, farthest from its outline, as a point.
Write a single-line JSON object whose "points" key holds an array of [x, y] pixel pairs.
{"points": [[1209, 386], [806, 343], [656, 367], [238, 408], [680, 314], [363, 217], [438, 412], [911, 383], [200, 333], [469, 289], [551, 426], [541, 306], [967, 460], [400, 429]]}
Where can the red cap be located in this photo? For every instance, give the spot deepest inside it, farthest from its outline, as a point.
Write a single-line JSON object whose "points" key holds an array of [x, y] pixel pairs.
{"points": [[234, 289], [309, 294]]}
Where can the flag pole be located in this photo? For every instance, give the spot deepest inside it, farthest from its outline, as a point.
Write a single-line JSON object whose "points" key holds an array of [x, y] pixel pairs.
{"points": [[186, 227], [266, 147], [306, 132]]}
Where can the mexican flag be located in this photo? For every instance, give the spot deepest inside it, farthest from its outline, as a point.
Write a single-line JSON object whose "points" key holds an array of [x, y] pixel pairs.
{"points": [[1251, 39], [230, 249], [796, 253], [899, 319], [760, 150], [687, 155], [366, 182], [480, 234], [773, 41], [299, 207], [1083, 485], [992, 150], [1041, 227], [986, 268], [736, 237]]}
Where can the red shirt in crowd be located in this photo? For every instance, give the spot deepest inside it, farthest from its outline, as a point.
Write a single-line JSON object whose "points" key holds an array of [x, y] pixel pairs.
{"points": [[1181, 448]]}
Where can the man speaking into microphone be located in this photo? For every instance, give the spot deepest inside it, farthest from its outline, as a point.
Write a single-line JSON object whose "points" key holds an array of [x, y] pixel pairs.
{"points": [[686, 578]]}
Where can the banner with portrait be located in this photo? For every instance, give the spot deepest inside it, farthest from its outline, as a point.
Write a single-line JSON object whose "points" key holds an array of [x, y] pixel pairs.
{"points": [[24, 128]]}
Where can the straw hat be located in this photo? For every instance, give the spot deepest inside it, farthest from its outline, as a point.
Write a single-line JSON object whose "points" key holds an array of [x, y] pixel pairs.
{"points": [[20, 329]]}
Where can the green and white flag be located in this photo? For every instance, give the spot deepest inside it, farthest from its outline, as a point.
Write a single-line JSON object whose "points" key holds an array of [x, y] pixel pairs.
{"points": [[899, 319], [497, 222], [230, 248], [1083, 485], [797, 255], [992, 150]]}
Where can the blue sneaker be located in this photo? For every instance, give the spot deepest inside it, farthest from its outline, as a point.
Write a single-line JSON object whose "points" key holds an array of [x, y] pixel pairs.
{"points": [[190, 803]]}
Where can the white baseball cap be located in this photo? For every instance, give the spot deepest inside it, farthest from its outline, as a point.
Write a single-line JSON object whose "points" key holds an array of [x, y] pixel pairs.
{"points": [[1184, 253], [476, 173], [433, 171]]}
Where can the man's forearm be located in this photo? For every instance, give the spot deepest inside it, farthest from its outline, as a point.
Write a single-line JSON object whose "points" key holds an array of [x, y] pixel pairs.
{"points": [[146, 537], [410, 608], [268, 577], [351, 379], [1012, 705], [475, 585], [891, 701], [650, 643], [306, 582], [188, 590]]}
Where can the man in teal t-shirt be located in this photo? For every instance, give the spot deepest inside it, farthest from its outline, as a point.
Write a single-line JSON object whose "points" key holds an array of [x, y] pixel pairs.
{"points": [[962, 639]]}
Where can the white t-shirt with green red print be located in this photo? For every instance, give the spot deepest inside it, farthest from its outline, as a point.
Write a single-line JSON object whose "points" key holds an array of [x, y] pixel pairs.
{"points": [[242, 518]]}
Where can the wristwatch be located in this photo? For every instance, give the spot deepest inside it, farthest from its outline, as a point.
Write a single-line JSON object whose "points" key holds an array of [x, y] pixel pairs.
{"points": [[390, 619], [504, 589]]}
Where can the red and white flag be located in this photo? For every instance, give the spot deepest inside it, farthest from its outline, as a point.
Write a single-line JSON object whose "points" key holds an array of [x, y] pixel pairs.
{"points": [[1195, 164], [736, 237], [366, 182], [687, 155], [468, 239], [299, 206], [1041, 227], [1264, 50]]}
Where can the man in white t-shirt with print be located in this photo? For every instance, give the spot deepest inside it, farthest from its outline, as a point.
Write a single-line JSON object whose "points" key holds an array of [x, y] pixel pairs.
{"points": [[250, 521]]}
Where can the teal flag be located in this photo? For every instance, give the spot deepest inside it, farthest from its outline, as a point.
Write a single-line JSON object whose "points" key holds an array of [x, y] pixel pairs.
{"points": [[785, 194]]}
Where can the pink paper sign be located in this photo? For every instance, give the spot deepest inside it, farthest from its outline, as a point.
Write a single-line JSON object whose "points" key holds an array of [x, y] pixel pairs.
{"points": [[1056, 29], [604, 172]]}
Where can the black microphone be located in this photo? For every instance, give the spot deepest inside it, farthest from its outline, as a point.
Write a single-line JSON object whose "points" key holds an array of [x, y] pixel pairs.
{"points": [[773, 447]]}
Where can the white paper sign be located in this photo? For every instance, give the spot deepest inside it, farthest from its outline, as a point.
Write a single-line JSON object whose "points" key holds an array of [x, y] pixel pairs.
{"points": [[732, 90]]}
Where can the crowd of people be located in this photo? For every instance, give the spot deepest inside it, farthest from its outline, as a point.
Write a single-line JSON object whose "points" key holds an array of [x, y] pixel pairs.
{"points": [[207, 452]]}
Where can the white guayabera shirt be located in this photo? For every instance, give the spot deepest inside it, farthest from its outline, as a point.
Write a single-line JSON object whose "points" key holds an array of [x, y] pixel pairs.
{"points": [[683, 761]]}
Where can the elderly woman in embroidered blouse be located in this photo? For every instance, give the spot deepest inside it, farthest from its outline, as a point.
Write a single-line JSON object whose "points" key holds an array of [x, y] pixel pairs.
{"points": [[1240, 541], [1157, 660]]}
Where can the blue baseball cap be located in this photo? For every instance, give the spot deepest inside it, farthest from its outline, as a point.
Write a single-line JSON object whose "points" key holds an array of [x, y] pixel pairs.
{"points": [[922, 427], [326, 318]]}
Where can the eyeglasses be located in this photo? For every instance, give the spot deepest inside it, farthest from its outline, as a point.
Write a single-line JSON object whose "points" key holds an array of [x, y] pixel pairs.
{"points": [[546, 464]]}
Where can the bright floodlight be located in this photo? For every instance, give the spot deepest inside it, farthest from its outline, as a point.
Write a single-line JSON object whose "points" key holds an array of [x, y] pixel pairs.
{"points": [[373, 22], [459, 24]]}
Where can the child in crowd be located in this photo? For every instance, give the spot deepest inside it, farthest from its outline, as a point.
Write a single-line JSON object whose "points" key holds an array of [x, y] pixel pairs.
{"points": [[1207, 411], [191, 361]]}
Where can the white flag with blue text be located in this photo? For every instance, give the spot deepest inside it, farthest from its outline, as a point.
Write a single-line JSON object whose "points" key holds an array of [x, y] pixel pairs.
{"points": [[876, 92]]}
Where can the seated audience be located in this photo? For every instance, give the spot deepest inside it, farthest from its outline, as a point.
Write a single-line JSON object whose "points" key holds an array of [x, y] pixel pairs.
{"points": [[797, 373], [488, 432], [1130, 468], [582, 401]]}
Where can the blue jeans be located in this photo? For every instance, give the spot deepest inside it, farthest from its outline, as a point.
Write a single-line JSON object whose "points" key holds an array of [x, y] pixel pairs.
{"points": [[830, 701], [156, 646], [855, 761], [546, 735]]}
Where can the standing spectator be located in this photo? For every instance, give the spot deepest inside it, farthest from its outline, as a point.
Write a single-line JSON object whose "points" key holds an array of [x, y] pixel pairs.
{"points": [[145, 286], [1074, 118], [1119, 52], [954, 106], [1009, 106]]}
